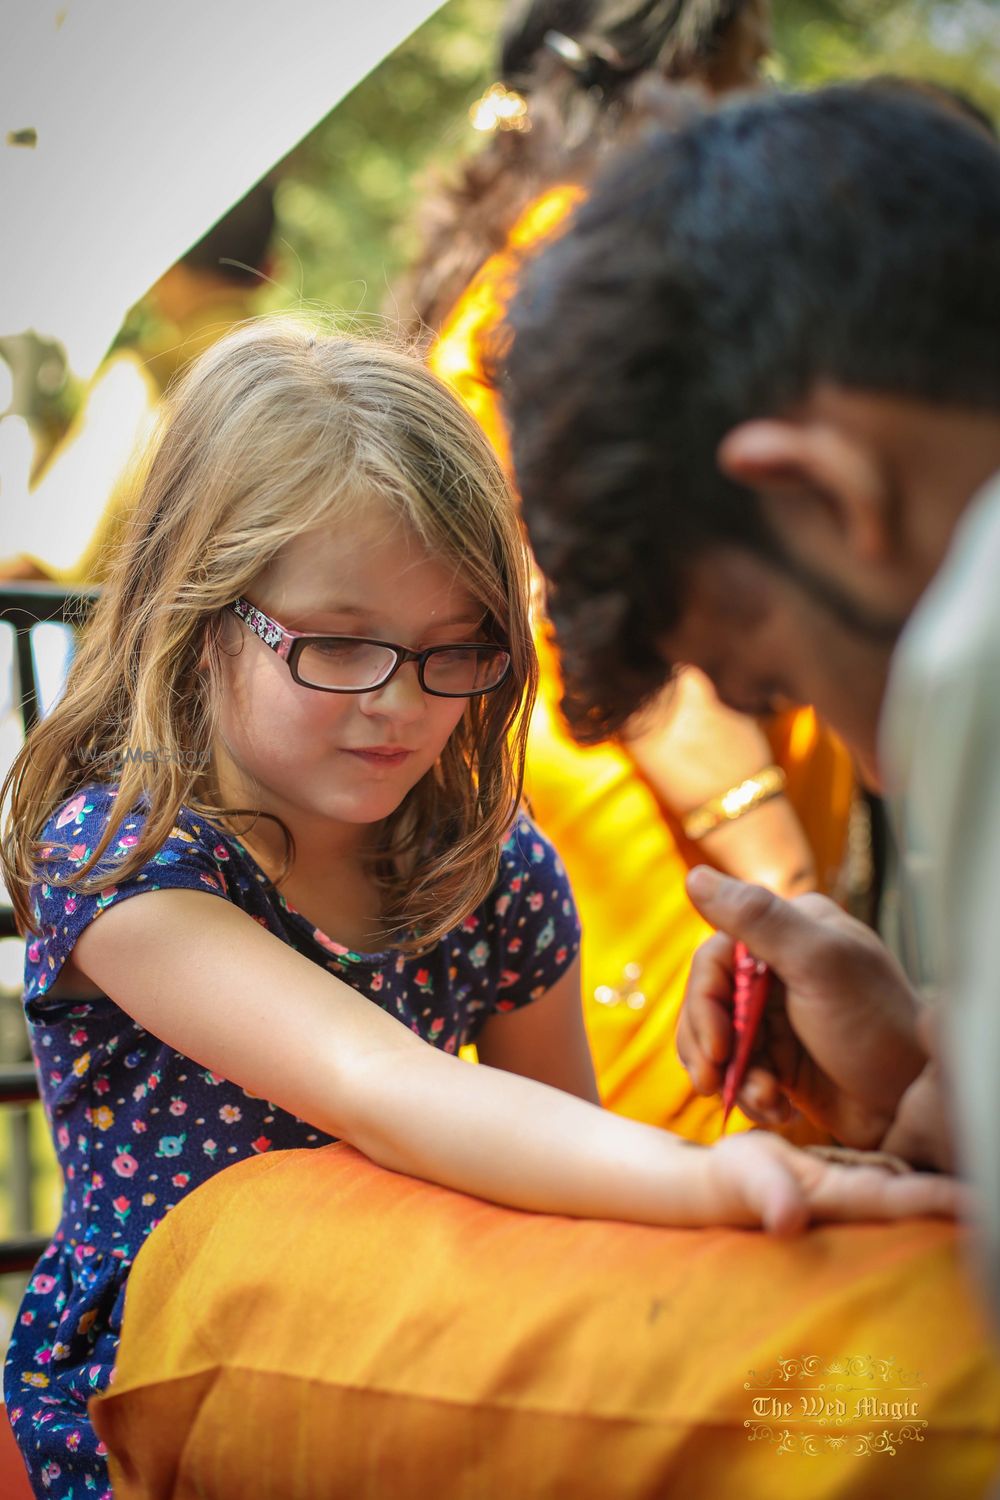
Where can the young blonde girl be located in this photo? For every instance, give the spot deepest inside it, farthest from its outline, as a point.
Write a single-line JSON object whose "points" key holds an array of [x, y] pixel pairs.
{"points": [[303, 695]]}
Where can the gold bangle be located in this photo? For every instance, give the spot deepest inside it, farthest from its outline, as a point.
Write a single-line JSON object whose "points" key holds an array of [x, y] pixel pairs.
{"points": [[734, 803]]}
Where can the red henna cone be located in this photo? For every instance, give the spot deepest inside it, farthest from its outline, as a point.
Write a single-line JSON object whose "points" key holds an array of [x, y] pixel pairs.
{"points": [[751, 982]]}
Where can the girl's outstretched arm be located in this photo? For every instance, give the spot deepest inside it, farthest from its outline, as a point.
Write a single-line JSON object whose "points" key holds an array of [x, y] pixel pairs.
{"points": [[209, 981]]}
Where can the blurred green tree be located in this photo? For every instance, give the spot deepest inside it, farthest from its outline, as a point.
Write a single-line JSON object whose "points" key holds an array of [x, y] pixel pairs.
{"points": [[348, 192], [955, 43]]}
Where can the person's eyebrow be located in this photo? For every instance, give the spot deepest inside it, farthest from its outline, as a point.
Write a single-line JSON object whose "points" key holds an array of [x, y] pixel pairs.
{"points": [[361, 612]]}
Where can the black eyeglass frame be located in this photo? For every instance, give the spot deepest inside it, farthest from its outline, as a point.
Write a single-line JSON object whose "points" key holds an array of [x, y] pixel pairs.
{"points": [[290, 644]]}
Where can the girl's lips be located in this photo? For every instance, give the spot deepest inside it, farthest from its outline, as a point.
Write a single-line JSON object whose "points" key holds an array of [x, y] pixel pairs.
{"points": [[387, 758]]}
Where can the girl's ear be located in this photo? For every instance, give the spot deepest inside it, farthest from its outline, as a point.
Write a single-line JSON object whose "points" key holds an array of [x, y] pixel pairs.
{"points": [[212, 639], [817, 482], [207, 637]]}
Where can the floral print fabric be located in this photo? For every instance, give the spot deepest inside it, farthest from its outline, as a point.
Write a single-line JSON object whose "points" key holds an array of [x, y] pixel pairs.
{"points": [[137, 1125]]}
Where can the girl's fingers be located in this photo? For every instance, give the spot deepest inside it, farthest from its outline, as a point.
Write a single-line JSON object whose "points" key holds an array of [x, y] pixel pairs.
{"points": [[849, 1193], [785, 1189], [849, 1156], [776, 1195], [764, 1181]]}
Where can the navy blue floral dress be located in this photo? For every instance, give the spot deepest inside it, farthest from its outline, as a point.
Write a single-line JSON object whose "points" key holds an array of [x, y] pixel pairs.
{"points": [[137, 1125]]}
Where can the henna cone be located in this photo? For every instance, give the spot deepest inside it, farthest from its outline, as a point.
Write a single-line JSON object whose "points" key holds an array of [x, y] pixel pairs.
{"points": [[751, 982]]}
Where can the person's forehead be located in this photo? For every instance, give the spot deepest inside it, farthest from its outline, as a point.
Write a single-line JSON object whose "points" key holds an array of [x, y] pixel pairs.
{"points": [[728, 586], [739, 614], [372, 558]]}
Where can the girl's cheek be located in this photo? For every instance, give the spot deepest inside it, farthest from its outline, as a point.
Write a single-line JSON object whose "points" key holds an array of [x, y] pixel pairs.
{"points": [[451, 722]]}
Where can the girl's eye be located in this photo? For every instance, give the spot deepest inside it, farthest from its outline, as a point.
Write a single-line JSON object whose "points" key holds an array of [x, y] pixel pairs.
{"points": [[456, 657], [466, 669], [337, 650], [341, 663]]}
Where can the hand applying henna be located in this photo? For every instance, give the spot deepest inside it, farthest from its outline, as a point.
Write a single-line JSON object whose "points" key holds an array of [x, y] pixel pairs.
{"points": [[840, 1040]]}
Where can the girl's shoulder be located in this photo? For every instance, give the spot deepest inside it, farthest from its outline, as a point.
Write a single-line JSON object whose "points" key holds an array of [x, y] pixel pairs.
{"points": [[77, 825], [532, 889], [88, 807], [68, 892], [526, 933], [527, 853]]}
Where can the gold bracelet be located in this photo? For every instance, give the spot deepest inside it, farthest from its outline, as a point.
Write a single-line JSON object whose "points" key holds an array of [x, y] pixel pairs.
{"points": [[734, 803]]}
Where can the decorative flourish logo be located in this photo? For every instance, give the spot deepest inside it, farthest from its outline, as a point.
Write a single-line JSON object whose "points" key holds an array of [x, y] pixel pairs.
{"points": [[861, 1405]]}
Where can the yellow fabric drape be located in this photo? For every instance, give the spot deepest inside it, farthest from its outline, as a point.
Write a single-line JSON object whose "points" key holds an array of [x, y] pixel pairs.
{"points": [[625, 853], [307, 1326]]}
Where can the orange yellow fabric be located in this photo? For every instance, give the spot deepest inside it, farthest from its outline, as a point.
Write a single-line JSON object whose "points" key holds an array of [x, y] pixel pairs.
{"points": [[457, 354], [626, 855], [307, 1325]]}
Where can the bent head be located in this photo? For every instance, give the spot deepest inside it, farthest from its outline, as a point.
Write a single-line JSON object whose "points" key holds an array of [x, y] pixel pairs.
{"points": [[751, 389], [342, 490], [380, 513]]}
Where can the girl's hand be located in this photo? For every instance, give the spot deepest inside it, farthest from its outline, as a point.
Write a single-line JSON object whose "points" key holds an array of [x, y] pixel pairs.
{"points": [[839, 1041], [761, 1179]]}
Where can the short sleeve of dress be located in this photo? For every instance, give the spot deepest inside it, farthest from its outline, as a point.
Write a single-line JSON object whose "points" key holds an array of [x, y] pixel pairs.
{"points": [[537, 927], [61, 911]]}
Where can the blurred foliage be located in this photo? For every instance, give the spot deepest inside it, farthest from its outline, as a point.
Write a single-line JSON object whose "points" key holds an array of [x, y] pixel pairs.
{"points": [[955, 43], [347, 194]]}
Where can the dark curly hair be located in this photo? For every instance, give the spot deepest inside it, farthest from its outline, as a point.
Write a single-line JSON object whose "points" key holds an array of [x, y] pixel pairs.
{"points": [[629, 49], [714, 275]]}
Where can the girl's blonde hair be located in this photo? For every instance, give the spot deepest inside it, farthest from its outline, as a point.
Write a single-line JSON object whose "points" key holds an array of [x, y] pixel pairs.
{"points": [[274, 431]]}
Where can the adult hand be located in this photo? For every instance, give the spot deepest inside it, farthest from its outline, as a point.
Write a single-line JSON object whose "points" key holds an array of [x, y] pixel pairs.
{"points": [[839, 1039], [922, 1131]]}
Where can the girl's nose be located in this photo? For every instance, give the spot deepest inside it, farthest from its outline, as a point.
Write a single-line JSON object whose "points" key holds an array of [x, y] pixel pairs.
{"points": [[401, 698]]}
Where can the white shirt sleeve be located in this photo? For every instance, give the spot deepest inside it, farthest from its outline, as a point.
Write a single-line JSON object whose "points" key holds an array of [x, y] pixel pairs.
{"points": [[940, 753]]}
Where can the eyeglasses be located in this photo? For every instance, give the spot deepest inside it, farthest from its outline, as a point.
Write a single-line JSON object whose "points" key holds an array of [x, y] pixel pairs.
{"points": [[355, 664]]}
